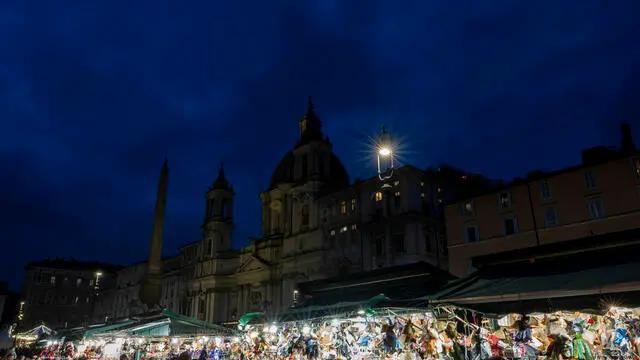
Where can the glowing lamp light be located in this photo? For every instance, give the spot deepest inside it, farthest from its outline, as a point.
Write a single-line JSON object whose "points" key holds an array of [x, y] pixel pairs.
{"points": [[306, 330], [385, 156]]}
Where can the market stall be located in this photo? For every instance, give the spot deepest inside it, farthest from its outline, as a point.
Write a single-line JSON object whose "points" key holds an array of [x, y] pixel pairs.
{"points": [[27, 338], [557, 310]]}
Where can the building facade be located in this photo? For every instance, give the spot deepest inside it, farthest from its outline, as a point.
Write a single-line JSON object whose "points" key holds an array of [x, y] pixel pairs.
{"points": [[63, 293], [600, 196], [316, 224]]}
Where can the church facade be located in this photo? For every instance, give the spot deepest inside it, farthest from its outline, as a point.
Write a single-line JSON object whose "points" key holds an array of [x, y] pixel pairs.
{"points": [[316, 224]]}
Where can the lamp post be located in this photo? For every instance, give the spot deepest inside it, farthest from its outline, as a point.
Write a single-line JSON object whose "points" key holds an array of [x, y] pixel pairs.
{"points": [[386, 167]]}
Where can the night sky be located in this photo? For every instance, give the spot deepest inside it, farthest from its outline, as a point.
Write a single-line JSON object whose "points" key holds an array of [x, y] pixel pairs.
{"points": [[94, 94]]}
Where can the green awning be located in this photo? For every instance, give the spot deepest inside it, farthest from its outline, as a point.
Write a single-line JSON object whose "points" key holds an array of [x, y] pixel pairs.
{"points": [[106, 328], [534, 286], [162, 323]]}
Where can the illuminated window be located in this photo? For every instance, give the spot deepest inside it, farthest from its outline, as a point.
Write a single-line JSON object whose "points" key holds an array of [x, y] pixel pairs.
{"points": [[636, 167], [505, 200], [396, 183], [353, 204], [343, 207], [78, 282], [52, 281], [396, 199], [378, 196], [422, 195], [75, 301], [467, 208], [343, 229], [421, 183], [354, 227]]}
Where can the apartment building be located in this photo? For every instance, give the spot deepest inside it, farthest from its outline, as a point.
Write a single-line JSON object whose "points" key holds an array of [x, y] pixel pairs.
{"points": [[600, 196]]}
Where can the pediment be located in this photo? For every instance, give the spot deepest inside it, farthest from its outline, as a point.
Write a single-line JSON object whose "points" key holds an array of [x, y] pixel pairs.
{"points": [[253, 264]]}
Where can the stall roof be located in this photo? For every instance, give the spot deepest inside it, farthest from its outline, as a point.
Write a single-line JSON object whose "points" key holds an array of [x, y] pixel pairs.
{"points": [[557, 283], [399, 283], [162, 323]]}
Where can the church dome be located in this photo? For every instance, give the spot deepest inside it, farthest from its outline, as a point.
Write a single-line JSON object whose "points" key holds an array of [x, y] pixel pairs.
{"points": [[338, 177], [311, 131]]}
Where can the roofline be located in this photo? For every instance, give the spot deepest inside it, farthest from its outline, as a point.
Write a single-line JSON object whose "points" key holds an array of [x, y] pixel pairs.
{"points": [[536, 176]]}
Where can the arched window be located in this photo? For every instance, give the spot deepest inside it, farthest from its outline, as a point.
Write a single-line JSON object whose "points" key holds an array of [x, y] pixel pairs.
{"points": [[305, 166], [305, 215], [224, 214]]}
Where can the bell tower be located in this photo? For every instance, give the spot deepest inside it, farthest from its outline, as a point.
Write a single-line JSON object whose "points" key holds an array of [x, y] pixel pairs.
{"points": [[218, 220]]}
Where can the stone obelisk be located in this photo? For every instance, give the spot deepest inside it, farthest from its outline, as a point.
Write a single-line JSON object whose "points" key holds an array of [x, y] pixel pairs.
{"points": [[151, 288]]}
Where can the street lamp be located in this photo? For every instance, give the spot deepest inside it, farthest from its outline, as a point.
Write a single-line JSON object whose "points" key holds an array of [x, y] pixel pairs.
{"points": [[385, 156]]}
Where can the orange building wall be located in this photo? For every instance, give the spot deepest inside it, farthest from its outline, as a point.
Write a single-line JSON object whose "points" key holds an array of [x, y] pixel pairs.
{"points": [[616, 184]]}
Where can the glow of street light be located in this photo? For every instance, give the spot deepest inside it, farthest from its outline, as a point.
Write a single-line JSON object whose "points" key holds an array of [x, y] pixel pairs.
{"points": [[98, 274], [384, 151]]}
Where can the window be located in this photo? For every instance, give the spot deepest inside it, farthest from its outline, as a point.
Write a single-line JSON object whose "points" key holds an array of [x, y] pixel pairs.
{"points": [[343, 229], [422, 195], [471, 234], [209, 246], [396, 183], [396, 199], [550, 217], [398, 243], [305, 166], [422, 183], [343, 207], [78, 282], [320, 165], [504, 199], [636, 167], [589, 180], [305, 215], [76, 299], [52, 280], [353, 205], [354, 227], [545, 191], [510, 226], [378, 196], [595, 208], [91, 282], [468, 208], [380, 246], [332, 239]]}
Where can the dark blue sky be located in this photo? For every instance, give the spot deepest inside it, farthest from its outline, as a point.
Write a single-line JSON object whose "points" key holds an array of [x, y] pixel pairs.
{"points": [[94, 94]]}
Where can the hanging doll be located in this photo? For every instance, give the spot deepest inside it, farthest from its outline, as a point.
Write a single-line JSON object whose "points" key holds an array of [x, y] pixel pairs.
{"points": [[457, 352], [435, 348], [560, 347], [581, 349], [389, 340], [522, 338]]}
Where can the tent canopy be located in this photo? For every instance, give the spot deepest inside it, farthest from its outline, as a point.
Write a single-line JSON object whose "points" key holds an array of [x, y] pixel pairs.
{"points": [[158, 324], [547, 286]]}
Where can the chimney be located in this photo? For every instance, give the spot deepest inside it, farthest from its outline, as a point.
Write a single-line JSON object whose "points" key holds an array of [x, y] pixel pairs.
{"points": [[626, 144]]}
